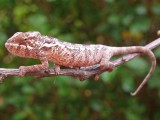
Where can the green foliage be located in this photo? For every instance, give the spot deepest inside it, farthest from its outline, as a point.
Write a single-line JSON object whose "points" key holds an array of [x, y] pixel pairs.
{"points": [[110, 22]]}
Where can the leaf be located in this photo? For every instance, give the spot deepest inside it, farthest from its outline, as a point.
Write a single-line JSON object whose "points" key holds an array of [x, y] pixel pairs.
{"points": [[128, 84], [154, 80], [141, 9], [127, 20], [139, 65], [156, 9], [96, 105], [27, 89], [114, 19], [140, 25], [157, 52], [37, 21], [3, 38], [108, 76]]}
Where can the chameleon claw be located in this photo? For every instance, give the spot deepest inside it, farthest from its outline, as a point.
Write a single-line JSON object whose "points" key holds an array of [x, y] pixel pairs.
{"points": [[96, 77], [22, 71], [57, 69], [47, 71], [108, 66]]}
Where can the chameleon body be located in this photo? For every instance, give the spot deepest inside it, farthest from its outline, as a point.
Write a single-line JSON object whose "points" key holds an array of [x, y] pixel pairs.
{"points": [[45, 48]]}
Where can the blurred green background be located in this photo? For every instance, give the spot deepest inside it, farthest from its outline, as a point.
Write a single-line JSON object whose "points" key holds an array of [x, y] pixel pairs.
{"points": [[109, 22]]}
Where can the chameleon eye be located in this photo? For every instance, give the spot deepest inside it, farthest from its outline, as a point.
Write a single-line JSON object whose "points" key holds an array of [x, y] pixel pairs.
{"points": [[25, 39]]}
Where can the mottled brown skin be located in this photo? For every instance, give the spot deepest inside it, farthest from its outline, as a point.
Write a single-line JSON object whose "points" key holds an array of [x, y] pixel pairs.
{"points": [[45, 48]]}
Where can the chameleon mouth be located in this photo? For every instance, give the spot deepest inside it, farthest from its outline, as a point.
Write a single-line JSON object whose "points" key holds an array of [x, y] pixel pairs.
{"points": [[7, 45], [11, 46], [16, 49]]}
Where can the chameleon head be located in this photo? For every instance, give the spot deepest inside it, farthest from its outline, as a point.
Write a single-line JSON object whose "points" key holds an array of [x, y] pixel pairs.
{"points": [[23, 43]]}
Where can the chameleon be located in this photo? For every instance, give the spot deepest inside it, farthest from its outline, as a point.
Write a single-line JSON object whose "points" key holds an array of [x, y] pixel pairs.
{"points": [[33, 44]]}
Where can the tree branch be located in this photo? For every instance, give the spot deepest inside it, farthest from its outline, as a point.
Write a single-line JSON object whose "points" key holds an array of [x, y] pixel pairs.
{"points": [[82, 73]]}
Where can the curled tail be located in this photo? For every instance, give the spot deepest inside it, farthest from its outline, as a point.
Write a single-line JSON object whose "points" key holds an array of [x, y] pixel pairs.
{"points": [[138, 49]]}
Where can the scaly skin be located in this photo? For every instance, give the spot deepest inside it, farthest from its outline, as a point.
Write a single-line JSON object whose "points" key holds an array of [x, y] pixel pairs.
{"points": [[45, 48]]}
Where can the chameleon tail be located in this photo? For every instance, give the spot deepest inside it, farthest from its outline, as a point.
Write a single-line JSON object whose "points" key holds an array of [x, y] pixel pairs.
{"points": [[148, 75], [138, 49]]}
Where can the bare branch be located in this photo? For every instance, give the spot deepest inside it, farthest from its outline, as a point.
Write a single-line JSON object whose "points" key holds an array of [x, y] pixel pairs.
{"points": [[82, 73]]}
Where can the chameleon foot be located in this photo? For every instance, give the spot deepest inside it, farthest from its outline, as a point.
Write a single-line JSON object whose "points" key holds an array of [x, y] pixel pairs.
{"points": [[96, 77], [22, 71], [47, 70], [57, 69], [108, 66]]}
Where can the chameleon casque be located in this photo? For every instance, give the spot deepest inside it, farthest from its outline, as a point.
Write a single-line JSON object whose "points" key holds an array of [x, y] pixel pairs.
{"points": [[45, 48]]}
